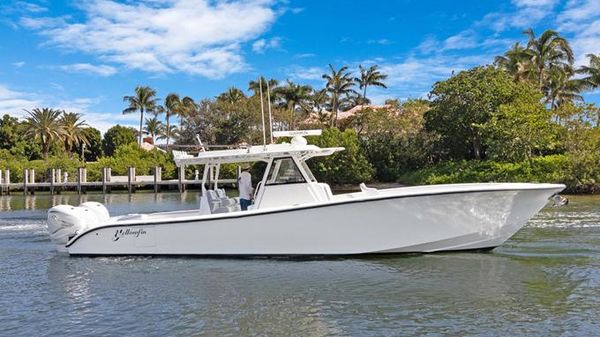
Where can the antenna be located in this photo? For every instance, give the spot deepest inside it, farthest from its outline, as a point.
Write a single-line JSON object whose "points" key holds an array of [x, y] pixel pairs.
{"points": [[262, 110], [270, 115]]}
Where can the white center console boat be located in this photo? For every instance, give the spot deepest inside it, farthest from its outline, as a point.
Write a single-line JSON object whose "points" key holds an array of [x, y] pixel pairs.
{"points": [[293, 214]]}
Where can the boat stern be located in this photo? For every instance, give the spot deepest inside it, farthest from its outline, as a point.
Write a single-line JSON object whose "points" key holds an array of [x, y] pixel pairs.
{"points": [[66, 221]]}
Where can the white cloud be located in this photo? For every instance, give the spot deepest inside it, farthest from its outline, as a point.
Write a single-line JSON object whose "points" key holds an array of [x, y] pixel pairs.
{"points": [[534, 3], [13, 102], [193, 36], [463, 40], [30, 7], [581, 20], [101, 69], [380, 41], [99, 120], [307, 73], [579, 10], [429, 45], [527, 14], [18, 64], [261, 45], [304, 55]]}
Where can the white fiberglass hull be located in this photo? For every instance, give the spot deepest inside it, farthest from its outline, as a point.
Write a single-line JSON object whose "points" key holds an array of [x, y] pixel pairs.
{"points": [[413, 219]]}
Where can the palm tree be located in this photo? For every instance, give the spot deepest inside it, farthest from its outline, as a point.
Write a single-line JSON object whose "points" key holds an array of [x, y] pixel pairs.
{"points": [[171, 107], [233, 95], [515, 62], [317, 101], [546, 52], [562, 88], [186, 109], [255, 87], [292, 96], [592, 80], [73, 130], [44, 124], [339, 82], [153, 127], [143, 100], [369, 77], [350, 101], [167, 132]]}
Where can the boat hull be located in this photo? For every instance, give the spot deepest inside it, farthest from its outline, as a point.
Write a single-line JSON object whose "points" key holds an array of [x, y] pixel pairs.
{"points": [[458, 219]]}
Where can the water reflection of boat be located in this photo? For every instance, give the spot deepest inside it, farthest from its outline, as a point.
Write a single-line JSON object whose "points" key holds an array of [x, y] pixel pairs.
{"points": [[293, 214]]}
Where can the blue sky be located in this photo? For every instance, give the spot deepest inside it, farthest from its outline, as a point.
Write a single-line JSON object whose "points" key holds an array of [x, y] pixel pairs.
{"points": [[83, 56]]}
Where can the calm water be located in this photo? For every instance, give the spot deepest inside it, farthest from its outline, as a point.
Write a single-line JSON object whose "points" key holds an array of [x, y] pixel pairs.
{"points": [[545, 281]]}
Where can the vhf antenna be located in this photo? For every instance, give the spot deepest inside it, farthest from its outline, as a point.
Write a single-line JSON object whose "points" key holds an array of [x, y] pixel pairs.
{"points": [[262, 110]]}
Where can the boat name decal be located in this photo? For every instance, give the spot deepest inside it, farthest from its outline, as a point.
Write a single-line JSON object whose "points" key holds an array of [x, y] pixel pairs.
{"points": [[119, 233]]}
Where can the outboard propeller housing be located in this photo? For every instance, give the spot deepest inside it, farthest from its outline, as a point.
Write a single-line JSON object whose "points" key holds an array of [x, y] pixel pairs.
{"points": [[66, 221]]}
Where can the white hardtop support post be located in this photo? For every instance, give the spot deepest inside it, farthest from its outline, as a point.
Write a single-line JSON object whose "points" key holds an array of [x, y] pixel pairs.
{"points": [[216, 176], [204, 206]]}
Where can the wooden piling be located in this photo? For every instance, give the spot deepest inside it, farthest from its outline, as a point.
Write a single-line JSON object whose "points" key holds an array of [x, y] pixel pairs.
{"points": [[25, 180], [181, 178], [79, 178], [52, 180], [103, 177], [108, 179], [7, 181], [157, 178], [129, 179]]}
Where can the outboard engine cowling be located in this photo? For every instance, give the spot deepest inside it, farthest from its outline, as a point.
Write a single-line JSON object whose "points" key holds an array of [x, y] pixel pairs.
{"points": [[66, 221]]}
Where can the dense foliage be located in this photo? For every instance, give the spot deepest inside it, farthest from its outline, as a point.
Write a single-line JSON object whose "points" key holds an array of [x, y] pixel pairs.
{"points": [[346, 167], [115, 137]]}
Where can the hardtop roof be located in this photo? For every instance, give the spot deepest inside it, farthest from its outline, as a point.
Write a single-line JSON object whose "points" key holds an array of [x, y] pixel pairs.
{"points": [[253, 154]]}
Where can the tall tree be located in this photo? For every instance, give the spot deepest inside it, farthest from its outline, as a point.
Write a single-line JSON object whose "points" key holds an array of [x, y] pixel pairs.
{"points": [[370, 77], [172, 103], [153, 127], [339, 83], [255, 87], [546, 52], [144, 100], [44, 124], [73, 130], [317, 102], [232, 96], [462, 104], [186, 109], [293, 96], [592, 72], [117, 136], [93, 149], [515, 62], [561, 87]]}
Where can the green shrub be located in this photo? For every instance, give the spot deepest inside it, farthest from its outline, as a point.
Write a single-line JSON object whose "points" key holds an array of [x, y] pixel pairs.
{"points": [[548, 169], [346, 167]]}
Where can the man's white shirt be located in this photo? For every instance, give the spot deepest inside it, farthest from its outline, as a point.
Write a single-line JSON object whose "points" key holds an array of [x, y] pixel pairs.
{"points": [[245, 185]]}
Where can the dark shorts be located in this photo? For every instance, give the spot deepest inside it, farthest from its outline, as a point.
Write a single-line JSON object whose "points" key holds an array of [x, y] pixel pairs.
{"points": [[244, 203]]}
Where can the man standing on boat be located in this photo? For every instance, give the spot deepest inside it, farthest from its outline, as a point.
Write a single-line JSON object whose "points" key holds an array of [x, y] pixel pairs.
{"points": [[245, 188]]}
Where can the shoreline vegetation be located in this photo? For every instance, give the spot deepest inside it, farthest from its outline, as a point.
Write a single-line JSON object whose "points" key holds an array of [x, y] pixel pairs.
{"points": [[521, 118]]}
